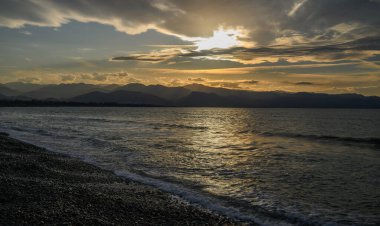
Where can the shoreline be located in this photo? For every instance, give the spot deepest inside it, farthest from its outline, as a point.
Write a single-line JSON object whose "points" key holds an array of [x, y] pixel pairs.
{"points": [[38, 186]]}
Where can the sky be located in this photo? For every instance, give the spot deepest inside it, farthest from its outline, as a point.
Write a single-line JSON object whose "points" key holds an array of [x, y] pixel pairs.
{"points": [[330, 46]]}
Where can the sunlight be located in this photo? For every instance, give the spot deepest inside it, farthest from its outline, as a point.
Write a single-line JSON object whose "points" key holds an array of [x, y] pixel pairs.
{"points": [[221, 39]]}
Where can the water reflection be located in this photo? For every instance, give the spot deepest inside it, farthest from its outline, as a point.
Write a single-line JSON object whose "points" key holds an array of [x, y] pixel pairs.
{"points": [[281, 160]]}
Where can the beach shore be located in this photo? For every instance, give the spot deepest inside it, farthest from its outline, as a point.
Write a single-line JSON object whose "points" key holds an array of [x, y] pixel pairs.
{"points": [[42, 187]]}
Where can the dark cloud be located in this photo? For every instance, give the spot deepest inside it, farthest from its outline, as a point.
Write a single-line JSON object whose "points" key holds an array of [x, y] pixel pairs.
{"points": [[251, 82], [369, 90], [28, 79], [106, 76], [318, 17], [197, 79], [95, 76], [138, 58], [353, 50], [233, 85], [304, 83], [67, 78], [155, 56], [267, 21]]}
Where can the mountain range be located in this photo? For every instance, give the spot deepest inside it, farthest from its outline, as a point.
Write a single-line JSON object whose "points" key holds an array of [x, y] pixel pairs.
{"points": [[193, 95]]}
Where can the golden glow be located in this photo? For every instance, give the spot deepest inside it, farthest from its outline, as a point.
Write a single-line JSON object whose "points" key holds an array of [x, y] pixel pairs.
{"points": [[221, 39]]}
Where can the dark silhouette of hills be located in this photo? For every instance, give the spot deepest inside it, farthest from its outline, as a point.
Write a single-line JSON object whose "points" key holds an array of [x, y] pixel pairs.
{"points": [[317, 100], [65, 91], [51, 103], [200, 99], [247, 95], [206, 89], [168, 93], [280, 100], [194, 95], [242, 98], [23, 87], [120, 97], [3, 97], [4, 90]]}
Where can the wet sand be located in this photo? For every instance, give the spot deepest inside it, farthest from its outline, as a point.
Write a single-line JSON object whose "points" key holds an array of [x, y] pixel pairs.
{"points": [[41, 187]]}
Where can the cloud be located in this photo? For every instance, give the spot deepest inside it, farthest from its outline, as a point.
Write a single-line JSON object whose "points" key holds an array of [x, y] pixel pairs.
{"points": [[354, 50], [28, 79], [138, 58], [274, 70], [105, 76], [304, 83], [68, 78], [288, 37], [367, 90], [154, 56], [266, 21], [112, 77], [196, 79], [25, 32], [215, 82], [360, 49], [85, 49], [251, 82], [235, 84], [296, 7], [231, 84]]}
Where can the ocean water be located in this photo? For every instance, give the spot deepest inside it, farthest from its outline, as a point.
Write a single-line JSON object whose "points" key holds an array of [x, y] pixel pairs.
{"points": [[269, 166]]}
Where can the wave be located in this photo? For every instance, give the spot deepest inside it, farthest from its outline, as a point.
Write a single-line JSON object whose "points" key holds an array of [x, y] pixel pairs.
{"points": [[97, 142], [261, 216], [92, 119], [43, 132], [178, 126], [35, 130], [18, 129], [105, 120], [365, 140], [187, 195]]}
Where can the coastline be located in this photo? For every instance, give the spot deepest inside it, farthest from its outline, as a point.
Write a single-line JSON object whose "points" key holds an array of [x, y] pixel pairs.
{"points": [[43, 187]]}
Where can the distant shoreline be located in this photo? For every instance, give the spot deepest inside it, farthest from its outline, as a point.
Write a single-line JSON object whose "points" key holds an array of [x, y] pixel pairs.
{"points": [[42, 187], [193, 95], [38, 103]]}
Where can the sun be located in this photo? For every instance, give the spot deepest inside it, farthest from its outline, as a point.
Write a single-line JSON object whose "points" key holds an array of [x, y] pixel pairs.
{"points": [[221, 39]]}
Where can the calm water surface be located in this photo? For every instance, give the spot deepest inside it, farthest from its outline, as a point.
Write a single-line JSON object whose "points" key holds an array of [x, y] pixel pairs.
{"points": [[272, 166]]}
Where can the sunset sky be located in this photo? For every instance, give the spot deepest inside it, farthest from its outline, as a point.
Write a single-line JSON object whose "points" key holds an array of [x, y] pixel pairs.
{"points": [[330, 46]]}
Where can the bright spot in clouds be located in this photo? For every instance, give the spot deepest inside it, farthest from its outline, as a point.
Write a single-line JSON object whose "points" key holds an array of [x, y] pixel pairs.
{"points": [[221, 39]]}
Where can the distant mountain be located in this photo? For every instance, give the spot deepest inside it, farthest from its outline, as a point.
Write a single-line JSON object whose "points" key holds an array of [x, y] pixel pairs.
{"points": [[8, 91], [206, 89], [66, 91], [283, 100], [243, 98], [3, 97], [320, 100], [245, 94], [23, 87], [199, 99], [235, 98], [194, 95], [168, 93], [121, 97]]}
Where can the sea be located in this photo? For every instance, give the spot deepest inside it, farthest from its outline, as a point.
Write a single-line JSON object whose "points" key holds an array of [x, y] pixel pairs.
{"points": [[265, 166]]}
